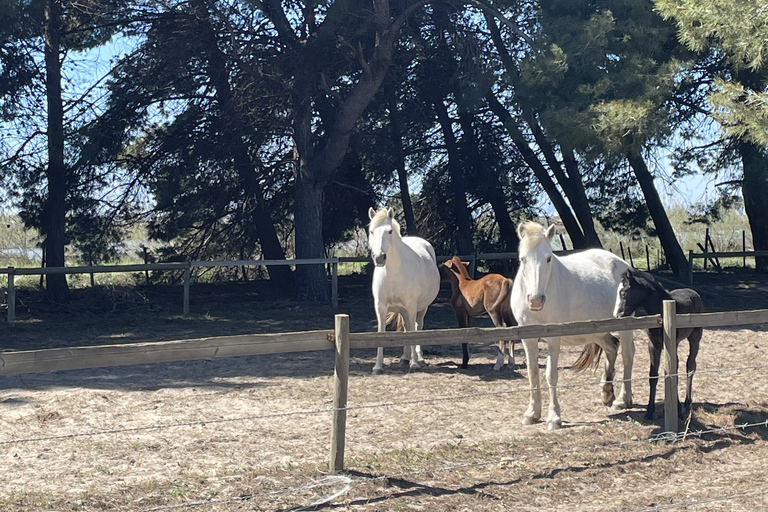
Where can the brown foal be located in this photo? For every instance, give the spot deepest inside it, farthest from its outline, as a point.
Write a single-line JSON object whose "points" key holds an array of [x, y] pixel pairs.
{"points": [[473, 297]]}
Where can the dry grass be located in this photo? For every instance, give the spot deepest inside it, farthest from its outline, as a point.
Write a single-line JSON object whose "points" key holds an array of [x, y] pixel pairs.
{"points": [[252, 433]]}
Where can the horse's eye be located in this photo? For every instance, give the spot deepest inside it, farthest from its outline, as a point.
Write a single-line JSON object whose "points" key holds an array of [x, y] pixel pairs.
{"points": [[549, 259], [522, 260], [390, 231]]}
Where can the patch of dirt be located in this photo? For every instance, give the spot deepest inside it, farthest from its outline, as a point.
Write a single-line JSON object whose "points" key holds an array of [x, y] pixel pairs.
{"points": [[252, 433]]}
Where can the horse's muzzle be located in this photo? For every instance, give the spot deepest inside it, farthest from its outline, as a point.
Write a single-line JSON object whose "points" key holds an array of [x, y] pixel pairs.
{"points": [[536, 303], [379, 259]]}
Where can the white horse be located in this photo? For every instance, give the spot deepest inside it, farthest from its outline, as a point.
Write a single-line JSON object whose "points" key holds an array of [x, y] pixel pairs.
{"points": [[405, 280], [552, 289]]}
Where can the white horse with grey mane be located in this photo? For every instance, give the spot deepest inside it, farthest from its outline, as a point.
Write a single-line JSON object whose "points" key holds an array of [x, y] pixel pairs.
{"points": [[577, 287], [405, 280]]}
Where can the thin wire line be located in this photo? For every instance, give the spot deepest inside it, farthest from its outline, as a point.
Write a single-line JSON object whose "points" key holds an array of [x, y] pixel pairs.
{"points": [[349, 408]]}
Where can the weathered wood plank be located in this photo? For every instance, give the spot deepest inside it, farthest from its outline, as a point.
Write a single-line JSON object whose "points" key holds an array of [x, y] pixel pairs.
{"points": [[670, 378], [49, 360], [722, 319], [491, 334]]}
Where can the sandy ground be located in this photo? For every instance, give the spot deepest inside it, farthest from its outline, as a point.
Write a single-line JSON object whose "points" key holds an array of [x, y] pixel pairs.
{"points": [[252, 433]]}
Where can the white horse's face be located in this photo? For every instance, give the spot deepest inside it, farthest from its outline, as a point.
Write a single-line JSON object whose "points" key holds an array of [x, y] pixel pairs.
{"points": [[536, 269], [380, 239]]}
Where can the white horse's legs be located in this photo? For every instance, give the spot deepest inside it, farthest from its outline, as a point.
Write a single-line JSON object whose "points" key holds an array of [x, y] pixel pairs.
{"points": [[610, 346], [499, 357], [533, 413], [624, 401], [553, 349], [508, 348], [381, 317], [419, 356]]}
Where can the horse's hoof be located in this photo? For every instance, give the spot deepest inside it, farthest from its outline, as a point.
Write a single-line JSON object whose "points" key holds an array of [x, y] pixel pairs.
{"points": [[608, 398], [422, 363], [621, 405], [529, 420], [414, 367], [377, 371], [404, 362], [497, 367], [554, 425]]}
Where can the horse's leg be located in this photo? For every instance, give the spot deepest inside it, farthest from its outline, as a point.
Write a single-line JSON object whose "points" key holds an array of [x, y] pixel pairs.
{"points": [[533, 413], [690, 367], [501, 346], [418, 324], [381, 317], [610, 346], [465, 320], [408, 356], [654, 351], [553, 349], [624, 401], [498, 321]]}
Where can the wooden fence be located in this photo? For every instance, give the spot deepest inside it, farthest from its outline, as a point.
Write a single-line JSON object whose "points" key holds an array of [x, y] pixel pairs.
{"points": [[342, 341], [187, 266], [713, 257]]}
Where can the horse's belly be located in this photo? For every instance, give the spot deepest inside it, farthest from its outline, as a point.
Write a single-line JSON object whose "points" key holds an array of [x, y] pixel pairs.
{"points": [[583, 339]]}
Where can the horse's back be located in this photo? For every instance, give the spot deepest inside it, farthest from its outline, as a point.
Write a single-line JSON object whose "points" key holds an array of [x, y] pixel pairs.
{"points": [[687, 301], [587, 290], [595, 264]]}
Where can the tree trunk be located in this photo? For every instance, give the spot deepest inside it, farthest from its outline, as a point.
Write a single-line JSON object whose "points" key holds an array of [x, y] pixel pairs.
{"points": [[754, 189], [669, 243], [464, 243], [311, 280], [563, 210], [402, 175], [55, 209]]}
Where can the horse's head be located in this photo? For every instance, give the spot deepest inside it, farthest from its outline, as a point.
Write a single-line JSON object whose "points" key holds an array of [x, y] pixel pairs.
{"points": [[627, 300], [535, 252], [382, 230]]}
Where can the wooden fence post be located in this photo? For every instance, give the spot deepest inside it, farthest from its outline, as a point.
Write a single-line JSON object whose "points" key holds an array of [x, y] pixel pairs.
{"points": [[690, 266], [146, 260], [11, 296], [187, 272], [670, 379], [335, 284], [340, 387], [647, 258], [744, 247]]}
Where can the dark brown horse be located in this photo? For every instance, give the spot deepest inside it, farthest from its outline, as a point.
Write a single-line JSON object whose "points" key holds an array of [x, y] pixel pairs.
{"points": [[473, 297], [640, 290]]}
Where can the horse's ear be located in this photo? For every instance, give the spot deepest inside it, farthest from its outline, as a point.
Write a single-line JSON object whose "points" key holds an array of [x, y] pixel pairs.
{"points": [[521, 230], [465, 263], [448, 263], [390, 213], [550, 232], [371, 213]]}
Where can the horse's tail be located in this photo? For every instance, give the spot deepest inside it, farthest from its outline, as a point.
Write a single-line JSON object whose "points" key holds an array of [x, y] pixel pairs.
{"points": [[590, 356], [506, 291], [397, 319]]}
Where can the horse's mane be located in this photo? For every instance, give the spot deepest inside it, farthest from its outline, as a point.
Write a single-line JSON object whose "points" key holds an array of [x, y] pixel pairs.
{"points": [[649, 281], [381, 217], [533, 233]]}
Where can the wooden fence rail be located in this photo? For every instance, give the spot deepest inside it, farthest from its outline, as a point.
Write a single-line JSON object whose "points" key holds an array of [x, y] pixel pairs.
{"points": [[48, 360], [715, 255]]}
